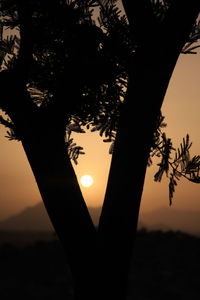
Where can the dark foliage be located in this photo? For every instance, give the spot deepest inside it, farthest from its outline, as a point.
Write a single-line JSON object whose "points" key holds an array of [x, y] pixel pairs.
{"points": [[174, 163], [72, 70], [79, 70]]}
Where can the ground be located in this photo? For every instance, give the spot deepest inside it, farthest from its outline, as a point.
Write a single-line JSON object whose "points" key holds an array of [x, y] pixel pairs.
{"points": [[165, 265]]}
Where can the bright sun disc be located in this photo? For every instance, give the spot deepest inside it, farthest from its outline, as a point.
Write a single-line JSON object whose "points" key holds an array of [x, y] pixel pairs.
{"points": [[87, 180]]}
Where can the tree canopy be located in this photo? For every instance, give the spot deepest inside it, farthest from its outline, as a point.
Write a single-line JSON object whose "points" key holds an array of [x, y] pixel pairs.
{"points": [[76, 71]]}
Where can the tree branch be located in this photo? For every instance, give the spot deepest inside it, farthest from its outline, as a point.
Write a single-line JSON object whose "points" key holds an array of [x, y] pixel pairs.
{"points": [[6, 123], [141, 18], [15, 100], [179, 22], [25, 51]]}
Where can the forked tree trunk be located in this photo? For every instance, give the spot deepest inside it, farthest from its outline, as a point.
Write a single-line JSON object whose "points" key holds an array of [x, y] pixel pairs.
{"points": [[100, 262]]}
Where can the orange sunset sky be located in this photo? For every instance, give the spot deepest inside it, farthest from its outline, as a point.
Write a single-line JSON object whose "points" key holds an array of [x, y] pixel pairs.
{"points": [[181, 109]]}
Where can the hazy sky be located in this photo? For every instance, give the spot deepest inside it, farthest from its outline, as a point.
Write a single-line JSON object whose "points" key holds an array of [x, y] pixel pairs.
{"points": [[181, 109]]}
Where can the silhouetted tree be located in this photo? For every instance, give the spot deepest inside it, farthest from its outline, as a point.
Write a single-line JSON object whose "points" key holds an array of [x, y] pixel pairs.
{"points": [[64, 72], [160, 33]]}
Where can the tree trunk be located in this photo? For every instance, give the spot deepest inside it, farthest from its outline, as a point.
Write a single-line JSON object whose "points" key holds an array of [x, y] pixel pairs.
{"points": [[118, 221], [149, 77], [138, 120], [59, 189]]}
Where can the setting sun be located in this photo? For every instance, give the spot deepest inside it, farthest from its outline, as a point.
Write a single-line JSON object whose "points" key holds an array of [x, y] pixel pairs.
{"points": [[87, 180]]}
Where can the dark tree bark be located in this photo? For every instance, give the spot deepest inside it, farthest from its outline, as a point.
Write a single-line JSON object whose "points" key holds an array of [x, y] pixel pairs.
{"points": [[149, 77], [64, 202]]}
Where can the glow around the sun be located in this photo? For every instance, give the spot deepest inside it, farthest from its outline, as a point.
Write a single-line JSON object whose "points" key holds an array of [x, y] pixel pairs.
{"points": [[87, 180]]}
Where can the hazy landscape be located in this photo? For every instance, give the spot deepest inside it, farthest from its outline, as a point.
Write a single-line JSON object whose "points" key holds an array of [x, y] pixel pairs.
{"points": [[35, 218], [33, 266]]}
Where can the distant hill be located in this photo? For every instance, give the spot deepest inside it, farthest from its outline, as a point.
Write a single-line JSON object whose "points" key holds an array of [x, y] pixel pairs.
{"points": [[172, 219], [32, 218], [35, 218]]}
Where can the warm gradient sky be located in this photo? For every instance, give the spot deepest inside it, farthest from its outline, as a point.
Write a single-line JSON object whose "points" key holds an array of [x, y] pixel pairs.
{"points": [[181, 109]]}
